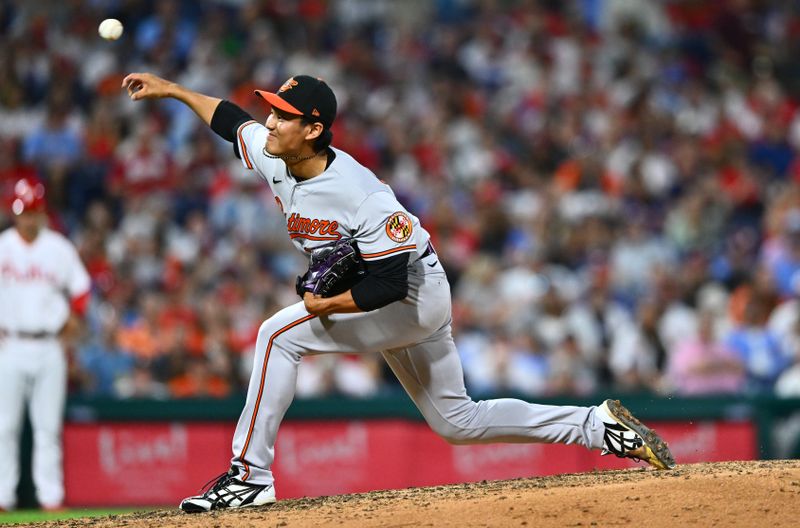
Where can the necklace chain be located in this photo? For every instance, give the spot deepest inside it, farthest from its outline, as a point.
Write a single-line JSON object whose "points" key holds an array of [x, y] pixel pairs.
{"points": [[290, 158]]}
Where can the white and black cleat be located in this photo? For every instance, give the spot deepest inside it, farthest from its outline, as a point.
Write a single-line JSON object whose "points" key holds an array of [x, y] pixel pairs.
{"points": [[626, 437], [228, 492]]}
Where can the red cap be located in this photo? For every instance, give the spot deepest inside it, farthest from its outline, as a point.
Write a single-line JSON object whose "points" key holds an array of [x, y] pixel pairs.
{"points": [[28, 196]]}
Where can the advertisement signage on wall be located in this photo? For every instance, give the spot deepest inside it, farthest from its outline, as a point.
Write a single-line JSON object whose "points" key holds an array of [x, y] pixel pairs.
{"points": [[111, 464], [141, 463]]}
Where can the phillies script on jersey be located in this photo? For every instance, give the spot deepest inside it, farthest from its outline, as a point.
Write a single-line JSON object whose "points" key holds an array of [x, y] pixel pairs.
{"points": [[32, 273]]}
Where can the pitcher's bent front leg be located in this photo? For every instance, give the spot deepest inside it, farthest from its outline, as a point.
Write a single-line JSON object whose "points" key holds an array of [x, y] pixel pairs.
{"points": [[282, 341], [272, 386]]}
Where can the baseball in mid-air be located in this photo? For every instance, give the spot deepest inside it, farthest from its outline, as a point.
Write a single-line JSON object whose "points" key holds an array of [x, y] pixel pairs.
{"points": [[110, 29]]}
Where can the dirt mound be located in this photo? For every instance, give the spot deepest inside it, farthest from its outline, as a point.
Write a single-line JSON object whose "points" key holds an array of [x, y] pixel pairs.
{"points": [[759, 493]]}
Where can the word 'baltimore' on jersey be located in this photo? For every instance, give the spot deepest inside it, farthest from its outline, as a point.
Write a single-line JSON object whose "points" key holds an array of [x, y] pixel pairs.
{"points": [[301, 227]]}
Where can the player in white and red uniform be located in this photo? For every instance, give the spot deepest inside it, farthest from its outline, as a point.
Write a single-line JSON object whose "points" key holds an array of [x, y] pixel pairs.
{"points": [[401, 308], [42, 284]]}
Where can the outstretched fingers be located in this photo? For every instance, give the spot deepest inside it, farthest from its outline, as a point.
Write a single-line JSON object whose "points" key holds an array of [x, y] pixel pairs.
{"points": [[143, 85], [133, 83]]}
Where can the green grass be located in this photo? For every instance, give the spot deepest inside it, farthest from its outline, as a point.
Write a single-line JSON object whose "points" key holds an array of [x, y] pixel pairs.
{"points": [[30, 516]]}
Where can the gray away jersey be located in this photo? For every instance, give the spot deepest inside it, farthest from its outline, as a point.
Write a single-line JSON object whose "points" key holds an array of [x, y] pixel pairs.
{"points": [[346, 200]]}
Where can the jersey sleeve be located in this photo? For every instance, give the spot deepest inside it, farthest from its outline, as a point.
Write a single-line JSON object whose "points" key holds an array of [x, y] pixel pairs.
{"points": [[77, 278], [383, 228], [251, 137]]}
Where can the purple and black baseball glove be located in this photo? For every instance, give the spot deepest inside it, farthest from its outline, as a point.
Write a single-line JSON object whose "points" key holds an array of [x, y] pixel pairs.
{"points": [[335, 268]]}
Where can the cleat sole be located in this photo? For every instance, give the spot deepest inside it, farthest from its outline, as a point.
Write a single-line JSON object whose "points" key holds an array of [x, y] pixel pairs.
{"points": [[656, 448]]}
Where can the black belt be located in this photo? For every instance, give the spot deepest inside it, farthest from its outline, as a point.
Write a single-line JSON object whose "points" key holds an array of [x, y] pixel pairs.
{"points": [[428, 251], [24, 334]]}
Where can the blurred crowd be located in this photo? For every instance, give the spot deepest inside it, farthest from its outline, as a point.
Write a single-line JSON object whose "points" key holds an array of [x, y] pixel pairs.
{"points": [[612, 185]]}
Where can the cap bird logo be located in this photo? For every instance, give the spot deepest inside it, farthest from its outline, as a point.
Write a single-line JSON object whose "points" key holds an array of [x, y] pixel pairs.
{"points": [[288, 85], [399, 227]]}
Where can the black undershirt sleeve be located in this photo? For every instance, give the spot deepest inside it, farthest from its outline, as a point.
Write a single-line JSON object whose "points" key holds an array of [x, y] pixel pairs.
{"points": [[226, 120], [386, 282]]}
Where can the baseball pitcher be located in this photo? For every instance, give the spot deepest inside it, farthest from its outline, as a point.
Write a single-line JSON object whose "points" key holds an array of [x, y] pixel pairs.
{"points": [[395, 299], [43, 284]]}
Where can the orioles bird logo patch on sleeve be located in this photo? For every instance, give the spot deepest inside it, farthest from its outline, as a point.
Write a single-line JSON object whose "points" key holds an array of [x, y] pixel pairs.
{"points": [[399, 227]]}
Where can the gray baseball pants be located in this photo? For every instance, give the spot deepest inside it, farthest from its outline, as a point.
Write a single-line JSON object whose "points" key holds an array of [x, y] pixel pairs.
{"points": [[414, 336]]}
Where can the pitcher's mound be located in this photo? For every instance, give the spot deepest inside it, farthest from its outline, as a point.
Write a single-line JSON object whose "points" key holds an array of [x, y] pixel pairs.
{"points": [[758, 493]]}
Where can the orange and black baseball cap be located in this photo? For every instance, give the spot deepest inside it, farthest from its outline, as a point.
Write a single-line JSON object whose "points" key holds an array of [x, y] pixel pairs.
{"points": [[305, 96]]}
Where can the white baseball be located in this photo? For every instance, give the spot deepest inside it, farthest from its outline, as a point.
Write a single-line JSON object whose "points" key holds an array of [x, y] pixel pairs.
{"points": [[110, 29]]}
